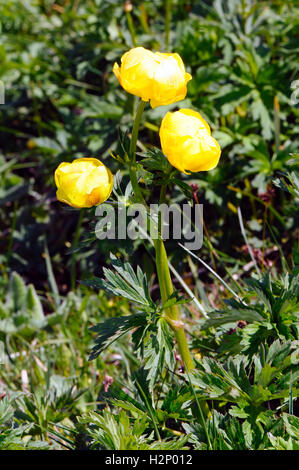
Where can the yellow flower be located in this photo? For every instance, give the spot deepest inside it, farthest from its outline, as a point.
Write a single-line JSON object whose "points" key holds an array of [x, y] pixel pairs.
{"points": [[187, 142], [85, 182], [158, 77]]}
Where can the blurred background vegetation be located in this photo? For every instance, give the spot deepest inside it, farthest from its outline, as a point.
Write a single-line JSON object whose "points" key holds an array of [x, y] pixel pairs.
{"points": [[62, 101]]}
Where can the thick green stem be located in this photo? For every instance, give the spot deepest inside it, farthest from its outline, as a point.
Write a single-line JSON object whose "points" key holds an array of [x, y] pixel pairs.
{"points": [[132, 151], [172, 314], [135, 130]]}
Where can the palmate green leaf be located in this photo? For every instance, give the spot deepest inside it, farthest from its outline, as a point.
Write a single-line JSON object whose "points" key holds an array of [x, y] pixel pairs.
{"points": [[265, 375], [225, 432], [158, 352], [20, 439], [143, 175], [238, 412], [216, 383], [113, 328], [142, 386], [127, 406], [6, 410], [278, 352], [230, 382], [116, 393], [117, 432], [236, 369], [255, 334], [113, 432], [178, 400], [13, 435], [288, 182], [276, 316], [263, 290], [184, 187], [154, 159], [233, 315], [124, 282], [228, 432], [286, 308], [121, 154], [155, 337], [172, 444], [174, 299], [235, 435]]}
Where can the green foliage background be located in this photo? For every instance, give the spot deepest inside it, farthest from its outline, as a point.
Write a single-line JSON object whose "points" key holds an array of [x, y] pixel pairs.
{"points": [[62, 101]]}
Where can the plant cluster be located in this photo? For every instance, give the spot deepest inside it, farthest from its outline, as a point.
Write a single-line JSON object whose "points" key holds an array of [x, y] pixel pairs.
{"points": [[194, 350]]}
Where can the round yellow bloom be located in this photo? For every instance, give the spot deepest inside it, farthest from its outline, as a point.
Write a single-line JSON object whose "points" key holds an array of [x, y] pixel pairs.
{"points": [[158, 77], [187, 142], [85, 182]]}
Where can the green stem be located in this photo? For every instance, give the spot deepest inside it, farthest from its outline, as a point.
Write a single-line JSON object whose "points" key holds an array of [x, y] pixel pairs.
{"points": [[143, 18], [75, 244], [172, 314], [132, 151], [135, 130], [131, 28], [163, 194], [201, 413], [166, 286], [150, 410]]}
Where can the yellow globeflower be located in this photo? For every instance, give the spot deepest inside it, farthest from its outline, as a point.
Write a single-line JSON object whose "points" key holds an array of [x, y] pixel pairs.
{"points": [[187, 142], [158, 77], [85, 182]]}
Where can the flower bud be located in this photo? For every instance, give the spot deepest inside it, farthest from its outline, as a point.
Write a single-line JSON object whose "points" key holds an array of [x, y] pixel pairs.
{"points": [[187, 142], [158, 77], [85, 182], [128, 7]]}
